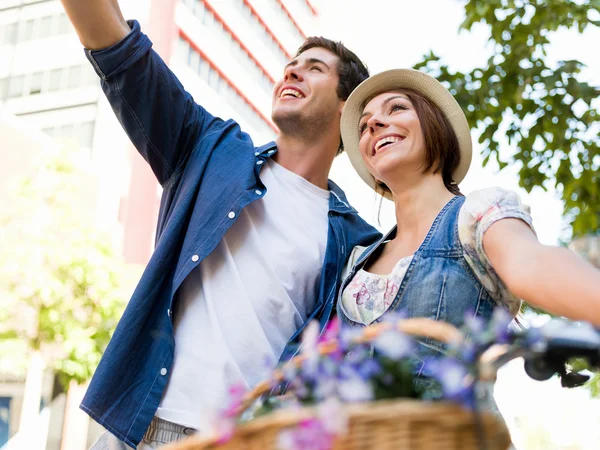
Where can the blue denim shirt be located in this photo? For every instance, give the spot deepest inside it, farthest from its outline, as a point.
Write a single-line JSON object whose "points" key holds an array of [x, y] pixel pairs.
{"points": [[208, 168]]}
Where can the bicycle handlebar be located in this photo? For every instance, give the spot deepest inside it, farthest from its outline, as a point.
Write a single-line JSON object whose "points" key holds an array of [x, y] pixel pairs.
{"points": [[547, 350]]}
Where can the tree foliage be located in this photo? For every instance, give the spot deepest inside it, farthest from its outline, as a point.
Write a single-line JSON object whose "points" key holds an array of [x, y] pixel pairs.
{"points": [[545, 113], [62, 287]]}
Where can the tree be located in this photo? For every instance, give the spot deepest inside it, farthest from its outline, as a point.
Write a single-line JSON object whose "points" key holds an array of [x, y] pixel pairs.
{"points": [[62, 287], [545, 113]]}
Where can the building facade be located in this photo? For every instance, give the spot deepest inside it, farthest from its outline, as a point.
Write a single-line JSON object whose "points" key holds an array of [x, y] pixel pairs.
{"points": [[227, 53]]}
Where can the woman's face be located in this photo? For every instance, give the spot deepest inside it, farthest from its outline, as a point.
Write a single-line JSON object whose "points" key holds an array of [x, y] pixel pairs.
{"points": [[391, 139]]}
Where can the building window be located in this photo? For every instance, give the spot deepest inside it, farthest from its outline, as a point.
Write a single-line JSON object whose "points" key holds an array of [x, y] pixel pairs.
{"points": [[3, 88], [284, 18], [56, 76], [82, 134], [54, 80], [15, 86], [35, 86], [64, 26], [38, 28], [241, 55], [10, 34], [45, 27], [261, 30], [27, 30], [221, 86]]}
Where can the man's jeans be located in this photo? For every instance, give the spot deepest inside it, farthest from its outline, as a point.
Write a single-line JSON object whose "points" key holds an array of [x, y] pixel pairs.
{"points": [[159, 433]]}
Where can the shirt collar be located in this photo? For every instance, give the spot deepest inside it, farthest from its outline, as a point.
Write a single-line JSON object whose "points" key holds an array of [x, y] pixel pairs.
{"points": [[337, 199]]}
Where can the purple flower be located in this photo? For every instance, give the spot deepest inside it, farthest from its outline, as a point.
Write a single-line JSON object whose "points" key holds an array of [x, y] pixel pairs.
{"points": [[394, 345], [368, 369], [501, 319], [325, 387], [468, 352], [348, 336], [452, 375], [355, 389], [475, 324]]}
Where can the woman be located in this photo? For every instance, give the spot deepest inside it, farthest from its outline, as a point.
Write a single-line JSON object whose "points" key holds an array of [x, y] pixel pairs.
{"points": [[448, 255]]}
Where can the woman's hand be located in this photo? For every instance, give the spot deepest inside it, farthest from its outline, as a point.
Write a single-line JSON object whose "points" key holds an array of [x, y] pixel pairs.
{"points": [[552, 278]]}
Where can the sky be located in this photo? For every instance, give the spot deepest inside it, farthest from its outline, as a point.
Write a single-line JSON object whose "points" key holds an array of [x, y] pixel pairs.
{"points": [[390, 34]]}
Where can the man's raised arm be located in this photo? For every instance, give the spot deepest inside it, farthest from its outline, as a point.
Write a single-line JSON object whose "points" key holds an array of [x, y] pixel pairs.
{"points": [[159, 116], [99, 23]]}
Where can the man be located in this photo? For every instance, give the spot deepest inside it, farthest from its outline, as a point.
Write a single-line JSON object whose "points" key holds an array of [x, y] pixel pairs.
{"points": [[250, 240]]}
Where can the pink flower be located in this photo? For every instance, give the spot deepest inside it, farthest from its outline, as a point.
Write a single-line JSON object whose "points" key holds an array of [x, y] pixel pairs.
{"points": [[332, 330], [309, 434]]}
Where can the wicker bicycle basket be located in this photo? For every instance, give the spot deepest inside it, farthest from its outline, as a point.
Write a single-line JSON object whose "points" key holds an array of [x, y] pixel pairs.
{"points": [[381, 425]]}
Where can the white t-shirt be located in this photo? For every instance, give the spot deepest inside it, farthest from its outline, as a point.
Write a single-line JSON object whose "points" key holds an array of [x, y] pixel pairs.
{"points": [[236, 311]]}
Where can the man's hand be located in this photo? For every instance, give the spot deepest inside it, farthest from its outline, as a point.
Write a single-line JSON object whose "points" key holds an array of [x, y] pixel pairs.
{"points": [[99, 23]]}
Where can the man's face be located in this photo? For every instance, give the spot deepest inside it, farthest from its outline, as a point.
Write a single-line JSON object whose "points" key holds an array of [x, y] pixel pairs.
{"points": [[306, 96]]}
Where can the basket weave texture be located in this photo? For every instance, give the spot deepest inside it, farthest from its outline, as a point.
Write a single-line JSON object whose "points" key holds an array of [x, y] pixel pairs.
{"points": [[380, 425]]}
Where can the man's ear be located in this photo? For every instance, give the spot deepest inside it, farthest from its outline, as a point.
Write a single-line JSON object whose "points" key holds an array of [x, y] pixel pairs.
{"points": [[342, 103]]}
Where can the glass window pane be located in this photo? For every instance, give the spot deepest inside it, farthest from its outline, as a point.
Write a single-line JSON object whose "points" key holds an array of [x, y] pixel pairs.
{"points": [[27, 30], [10, 34], [194, 61], [66, 130], [74, 77], [64, 26], [3, 88], [55, 80], [45, 27], [35, 87], [203, 70], [15, 87]]}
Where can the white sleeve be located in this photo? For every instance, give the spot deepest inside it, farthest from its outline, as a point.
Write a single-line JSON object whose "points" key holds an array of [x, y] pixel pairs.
{"points": [[480, 211]]}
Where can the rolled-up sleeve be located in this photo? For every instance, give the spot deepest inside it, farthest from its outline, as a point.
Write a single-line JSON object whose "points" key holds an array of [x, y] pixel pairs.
{"points": [[480, 211], [162, 120]]}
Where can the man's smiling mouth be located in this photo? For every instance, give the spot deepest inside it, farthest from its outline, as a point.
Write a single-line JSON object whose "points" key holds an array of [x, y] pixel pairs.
{"points": [[291, 93]]}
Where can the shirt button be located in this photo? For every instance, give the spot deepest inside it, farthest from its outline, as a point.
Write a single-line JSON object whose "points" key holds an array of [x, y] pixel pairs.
{"points": [[195, 258], [256, 153], [169, 312], [163, 371], [231, 215], [258, 163], [271, 152], [257, 192]]}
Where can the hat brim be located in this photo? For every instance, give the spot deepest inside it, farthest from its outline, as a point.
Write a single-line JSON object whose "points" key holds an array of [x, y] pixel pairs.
{"points": [[420, 82]]}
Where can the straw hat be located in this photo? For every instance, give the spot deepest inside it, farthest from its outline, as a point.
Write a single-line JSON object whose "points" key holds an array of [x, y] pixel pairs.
{"points": [[420, 82]]}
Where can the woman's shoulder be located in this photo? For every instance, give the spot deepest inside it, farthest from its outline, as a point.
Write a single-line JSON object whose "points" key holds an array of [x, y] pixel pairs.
{"points": [[492, 198]]}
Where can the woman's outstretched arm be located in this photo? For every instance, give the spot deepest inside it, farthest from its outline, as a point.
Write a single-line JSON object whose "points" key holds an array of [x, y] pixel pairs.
{"points": [[554, 279]]}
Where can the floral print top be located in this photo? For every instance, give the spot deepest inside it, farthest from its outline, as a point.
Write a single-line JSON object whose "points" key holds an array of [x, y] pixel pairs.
{"points": [[369, 295]]}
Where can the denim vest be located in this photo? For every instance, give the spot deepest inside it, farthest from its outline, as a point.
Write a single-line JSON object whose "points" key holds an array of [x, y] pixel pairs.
{"points": [[438, 284]]}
